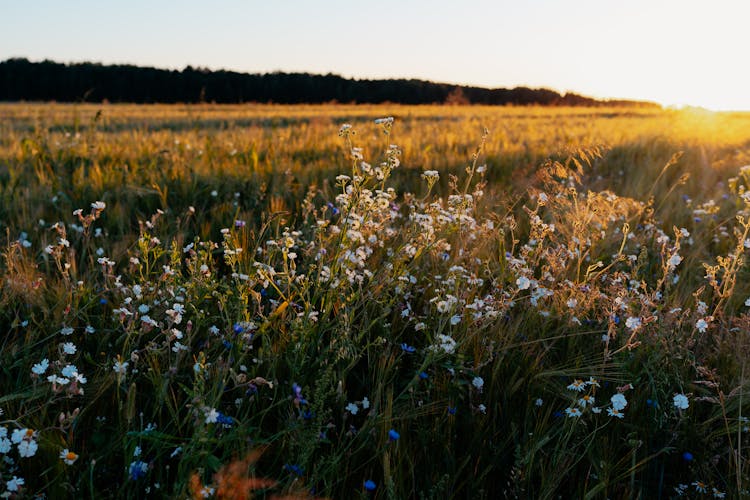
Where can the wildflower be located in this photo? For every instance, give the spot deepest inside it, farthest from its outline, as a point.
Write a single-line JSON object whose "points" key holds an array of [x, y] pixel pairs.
{"points": [[68, 456], [27, 448], [572, 303], [701, 325], [137, 469], [573, 412], [365, 403], [633, 323], [681, 401], [120, 367], [618, 401], [718, 494], [352, 408], [445, 343], [211, 415], [596, 410], [593, 382], [577, 385], [66, 330], [14, 484], [700, 486], [69, 371], [687, 456], [613, 412], [297, 390], [482, 408], [674, 261], [370, 485], [478, 382], [295, 469], [587, 400], [69, 348], [393, 435], [41, 367], [407, 348], [523, 283], [345, 130], [701, 308], [539, 402]]}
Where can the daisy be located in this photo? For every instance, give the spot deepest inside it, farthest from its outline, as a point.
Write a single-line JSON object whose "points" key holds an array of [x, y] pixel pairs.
{"points": [[577, 385], [573, 412], [586, 401], [68, 456], [612, 412]]}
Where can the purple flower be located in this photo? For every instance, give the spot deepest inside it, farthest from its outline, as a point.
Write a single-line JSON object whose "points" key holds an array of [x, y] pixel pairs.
{"points": [[239, 223]]}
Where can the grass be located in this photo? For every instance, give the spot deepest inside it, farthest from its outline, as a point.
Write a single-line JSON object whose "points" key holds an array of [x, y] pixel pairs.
{"points": [[270, 303]]}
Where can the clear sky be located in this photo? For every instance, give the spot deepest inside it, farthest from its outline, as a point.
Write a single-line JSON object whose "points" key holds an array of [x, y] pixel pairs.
{"points": [[670, 51]]}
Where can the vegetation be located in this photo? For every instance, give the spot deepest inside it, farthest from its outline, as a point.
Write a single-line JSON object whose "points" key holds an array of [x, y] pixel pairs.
{"points": [[324, 301], [21, 79]]}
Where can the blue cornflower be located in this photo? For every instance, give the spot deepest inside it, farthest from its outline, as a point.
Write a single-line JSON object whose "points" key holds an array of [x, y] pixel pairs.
{"points": [[295, 469], [393, 435], [370, 485], [452, 410], [102, 301], [687, 456], [224, 420], [227, 344], [423, 375], [407, 348], [237, 328], [137, 469]]}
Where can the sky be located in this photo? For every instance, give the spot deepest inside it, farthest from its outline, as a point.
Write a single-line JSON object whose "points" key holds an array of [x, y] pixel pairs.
{"points": [[673, 52]]}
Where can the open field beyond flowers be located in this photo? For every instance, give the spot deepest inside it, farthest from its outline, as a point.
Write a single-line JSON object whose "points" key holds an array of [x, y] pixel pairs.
{"points": [[260, 301]]}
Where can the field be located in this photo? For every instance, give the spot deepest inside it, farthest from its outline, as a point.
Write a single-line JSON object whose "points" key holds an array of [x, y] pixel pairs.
{"points": [[373, 302]]}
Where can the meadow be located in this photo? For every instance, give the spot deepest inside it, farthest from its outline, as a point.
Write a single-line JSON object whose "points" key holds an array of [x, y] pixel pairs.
{"points": [[339, 301]]}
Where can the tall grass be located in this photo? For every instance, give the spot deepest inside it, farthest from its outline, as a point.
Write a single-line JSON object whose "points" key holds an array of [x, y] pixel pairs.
{"points": [[299, 301]]}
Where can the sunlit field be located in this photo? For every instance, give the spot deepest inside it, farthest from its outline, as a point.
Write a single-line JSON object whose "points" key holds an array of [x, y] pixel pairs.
{"points": [[261, 301]]}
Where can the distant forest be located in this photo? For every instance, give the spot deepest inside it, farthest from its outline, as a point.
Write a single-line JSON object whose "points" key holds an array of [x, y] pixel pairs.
{"points": [[21, 79]]}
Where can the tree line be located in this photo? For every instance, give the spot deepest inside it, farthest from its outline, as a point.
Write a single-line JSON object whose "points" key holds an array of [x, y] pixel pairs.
{"points": [[21, 79]]}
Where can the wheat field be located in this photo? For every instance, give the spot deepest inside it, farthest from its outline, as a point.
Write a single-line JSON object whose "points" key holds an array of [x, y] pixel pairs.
{"points": [[339, 301]]}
